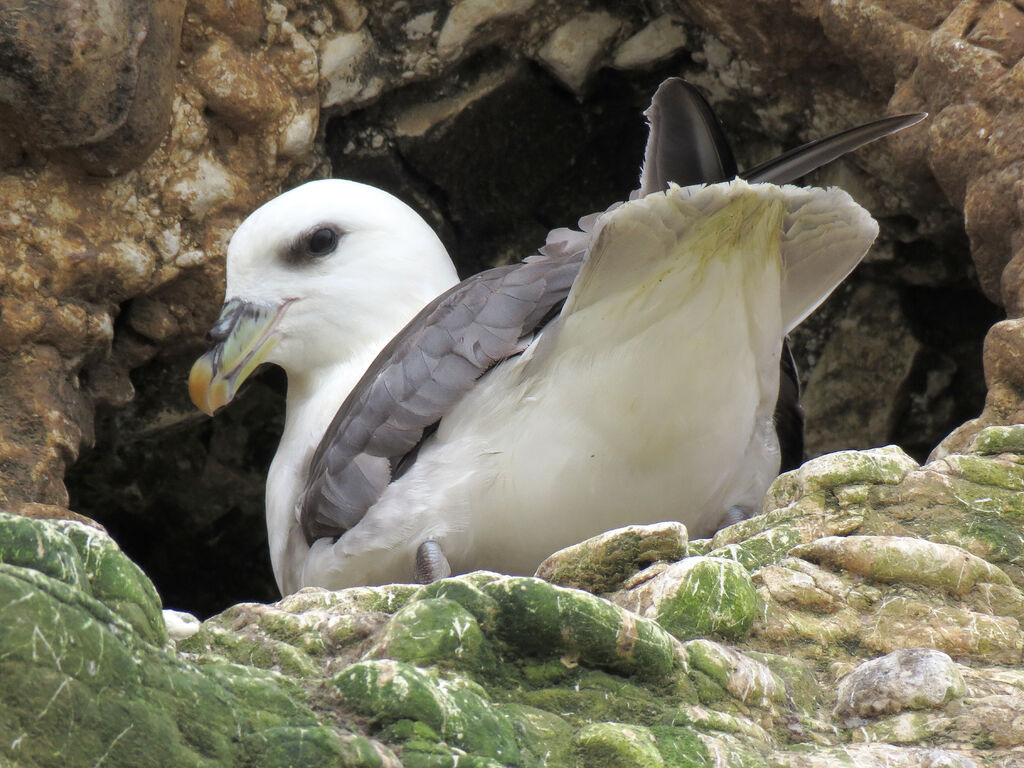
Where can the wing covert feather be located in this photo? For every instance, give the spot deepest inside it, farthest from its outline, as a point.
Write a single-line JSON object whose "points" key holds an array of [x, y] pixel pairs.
{"points": [[418, 377]]}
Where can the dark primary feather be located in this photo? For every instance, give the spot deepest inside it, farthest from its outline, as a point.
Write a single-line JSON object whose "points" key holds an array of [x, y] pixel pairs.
{"points": [[686, 144], [789, 414], [440, 354], [417, 378], [811, 156]]}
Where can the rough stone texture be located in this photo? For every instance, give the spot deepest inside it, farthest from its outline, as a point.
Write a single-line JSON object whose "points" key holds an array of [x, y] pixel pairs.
{"points": [[693, 597], [851, 657], [1004, 376], [203, 110], [90, 679], [916, 678], [98, 81], [133, 138], [603, 563], [844, 405]]}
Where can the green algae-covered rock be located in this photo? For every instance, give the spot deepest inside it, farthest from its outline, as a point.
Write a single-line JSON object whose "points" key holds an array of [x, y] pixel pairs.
{"points": [[435, 631], [604, 562], [540, 618], [696, 596], [857, 555], [464, 591], [617, 745], [879, 466], [545, 738], [748, 680], [117, 581], [999, 439], [714, 596], [87, 560], [85, 686], [458, 709]]}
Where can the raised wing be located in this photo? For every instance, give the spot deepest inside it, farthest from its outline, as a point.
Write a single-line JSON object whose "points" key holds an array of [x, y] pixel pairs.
{"points": [[417, 378], [438, 357]]}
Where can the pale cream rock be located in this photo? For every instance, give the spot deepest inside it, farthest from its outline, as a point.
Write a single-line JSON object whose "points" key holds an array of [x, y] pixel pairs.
{"points": [[134, 264], [906, 560], [352, 13], [180, 625], [800, 583], [655, 42], [913, 678], [343, 59], [573, 50], [298, 135], [419, 119], [419, 27], [205, 187], [168, 241], [469, 16], [276, 13]]}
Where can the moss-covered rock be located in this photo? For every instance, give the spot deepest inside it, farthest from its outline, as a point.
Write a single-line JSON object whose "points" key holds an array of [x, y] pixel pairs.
{"points": [[435, 631], [604, 562], [83, 685], [458, 709], [617, 745], [696, 596], [542, 619], [783, 615]]}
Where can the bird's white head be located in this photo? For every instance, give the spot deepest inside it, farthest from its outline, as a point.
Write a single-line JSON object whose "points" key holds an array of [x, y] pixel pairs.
{"points": [[313, 277]]}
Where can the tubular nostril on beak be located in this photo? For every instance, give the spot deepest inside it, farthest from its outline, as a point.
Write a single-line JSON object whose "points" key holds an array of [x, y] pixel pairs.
{"points": [[229, 315]]}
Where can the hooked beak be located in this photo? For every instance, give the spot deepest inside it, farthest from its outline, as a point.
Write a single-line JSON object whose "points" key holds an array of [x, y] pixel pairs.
{"points": [[243, 336]]}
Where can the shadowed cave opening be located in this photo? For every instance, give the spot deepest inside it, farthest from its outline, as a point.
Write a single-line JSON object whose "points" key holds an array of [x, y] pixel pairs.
{"points": [[183, 494]]}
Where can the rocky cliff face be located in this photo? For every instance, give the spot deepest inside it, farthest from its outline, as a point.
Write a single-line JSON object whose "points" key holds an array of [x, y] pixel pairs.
{"points": [[134, 138]]}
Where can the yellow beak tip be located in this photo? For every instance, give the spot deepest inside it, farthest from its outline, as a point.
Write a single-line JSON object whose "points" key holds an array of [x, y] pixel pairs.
{"points": [[201, 387]]}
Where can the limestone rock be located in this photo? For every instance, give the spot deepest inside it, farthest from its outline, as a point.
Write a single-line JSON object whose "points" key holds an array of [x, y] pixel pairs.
{"points": [[696, 596], [856, 405], [219, 108], [89, 675], [655, 42], [915, 678], [572, 50], [97, 80], [506, 670], [602, 563], [467, 17]]}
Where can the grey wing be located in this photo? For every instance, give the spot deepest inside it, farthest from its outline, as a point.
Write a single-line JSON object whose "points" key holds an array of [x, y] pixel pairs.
{"points": [[418, 377]]}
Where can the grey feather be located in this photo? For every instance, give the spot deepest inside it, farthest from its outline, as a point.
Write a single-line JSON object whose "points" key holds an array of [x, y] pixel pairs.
{"points": [[417, 378]]}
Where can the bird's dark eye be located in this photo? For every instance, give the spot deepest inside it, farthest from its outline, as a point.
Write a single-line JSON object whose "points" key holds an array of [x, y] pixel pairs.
{"points": [[322, 242]]}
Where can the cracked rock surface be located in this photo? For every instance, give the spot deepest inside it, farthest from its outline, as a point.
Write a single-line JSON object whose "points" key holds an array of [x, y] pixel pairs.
{"points": [[882, 627]]}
